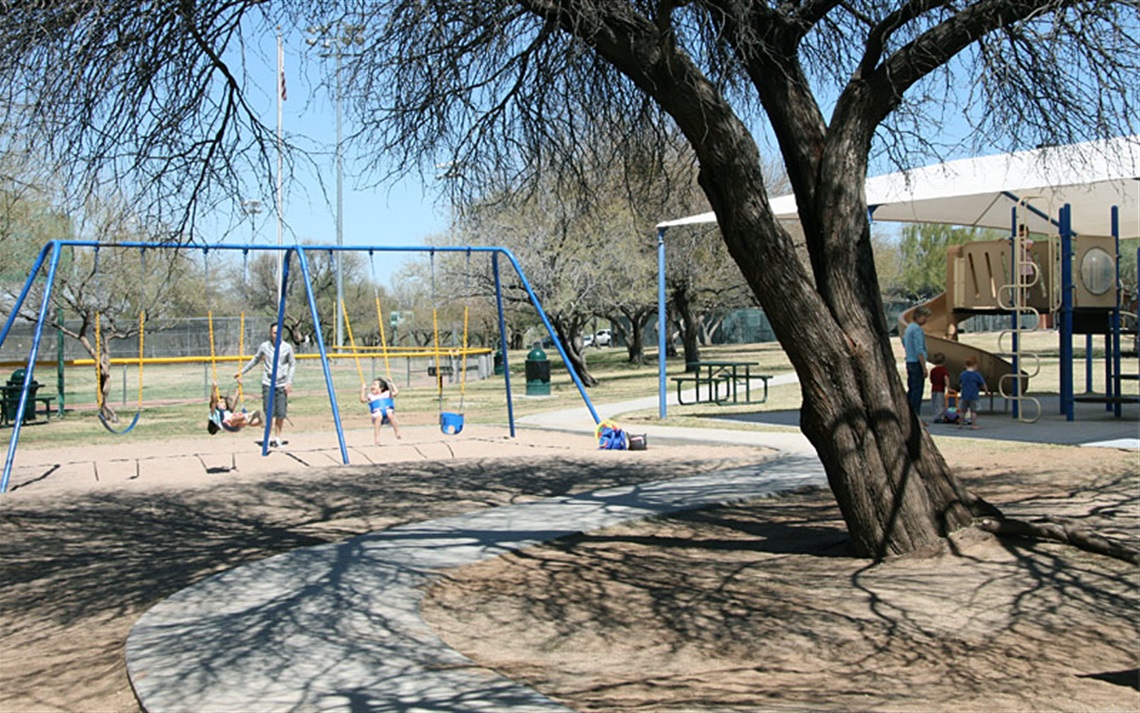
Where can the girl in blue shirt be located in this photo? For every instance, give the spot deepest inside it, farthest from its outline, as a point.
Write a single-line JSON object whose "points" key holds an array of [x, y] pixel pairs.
{"points": [[381, 399]]}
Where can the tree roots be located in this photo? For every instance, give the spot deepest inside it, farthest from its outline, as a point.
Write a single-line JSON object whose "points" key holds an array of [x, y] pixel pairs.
{"points": [[1056, 529]]}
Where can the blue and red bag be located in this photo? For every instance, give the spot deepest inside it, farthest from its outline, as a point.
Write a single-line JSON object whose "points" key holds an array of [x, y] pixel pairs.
{"points": [[610, 436]]}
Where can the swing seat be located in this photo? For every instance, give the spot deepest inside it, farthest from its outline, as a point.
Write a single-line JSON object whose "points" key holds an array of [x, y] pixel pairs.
{"points": [[451, 423], [109, 427]]}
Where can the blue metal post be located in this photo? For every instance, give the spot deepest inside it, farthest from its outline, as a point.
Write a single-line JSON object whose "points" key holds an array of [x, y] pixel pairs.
{"points": [[303, 261], [550, 330], [1066, 312], [1089, 363], [1015, 320], [19, 303], [503, 341], [661, 319], [28, 373], [1114, 352]]}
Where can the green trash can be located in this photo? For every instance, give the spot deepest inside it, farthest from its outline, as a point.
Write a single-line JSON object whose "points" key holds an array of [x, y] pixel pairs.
{"points": [[12, 397], [537, 373], [498, 362]]}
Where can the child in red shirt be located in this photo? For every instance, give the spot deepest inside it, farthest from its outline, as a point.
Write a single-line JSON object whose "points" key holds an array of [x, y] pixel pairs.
{"points": [[939, 382]]}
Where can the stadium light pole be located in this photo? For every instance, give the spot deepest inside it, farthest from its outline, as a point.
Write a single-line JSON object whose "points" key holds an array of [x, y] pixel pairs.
{"points": [[252, 208], [333, 40]]}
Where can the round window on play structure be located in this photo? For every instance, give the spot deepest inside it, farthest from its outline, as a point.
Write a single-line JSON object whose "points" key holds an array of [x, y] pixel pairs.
{"points": [[1098, 271]]}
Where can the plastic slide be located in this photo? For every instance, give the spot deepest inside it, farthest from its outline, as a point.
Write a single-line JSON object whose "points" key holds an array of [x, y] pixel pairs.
{"points": [[941, 328]]}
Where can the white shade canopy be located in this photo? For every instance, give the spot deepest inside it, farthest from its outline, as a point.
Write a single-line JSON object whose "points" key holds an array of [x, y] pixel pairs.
{"points": [[1091, 177]]}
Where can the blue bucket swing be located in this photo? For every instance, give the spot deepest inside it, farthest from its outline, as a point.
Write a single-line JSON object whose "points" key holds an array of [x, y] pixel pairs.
{"points": [[450, 422]]}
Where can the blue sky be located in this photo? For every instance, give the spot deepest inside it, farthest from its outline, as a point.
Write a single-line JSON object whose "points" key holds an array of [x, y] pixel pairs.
{"points": [[392, 215], [404, 213]]}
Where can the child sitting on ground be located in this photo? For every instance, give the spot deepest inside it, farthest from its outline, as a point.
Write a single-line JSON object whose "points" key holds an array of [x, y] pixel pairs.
{"points": [[224, 415], [971, 384], [381, 400]]}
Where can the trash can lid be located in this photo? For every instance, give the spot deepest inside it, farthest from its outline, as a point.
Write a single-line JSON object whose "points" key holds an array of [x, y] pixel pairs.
{"points": [[536, 354]]}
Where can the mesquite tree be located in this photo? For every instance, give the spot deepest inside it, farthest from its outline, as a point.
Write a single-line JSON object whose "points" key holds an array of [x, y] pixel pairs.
{"points": [[510, 89]]}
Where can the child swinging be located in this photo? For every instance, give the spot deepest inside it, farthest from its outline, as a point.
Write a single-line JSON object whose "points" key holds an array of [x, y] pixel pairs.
{"points": [[224, 414], [381, 399]]}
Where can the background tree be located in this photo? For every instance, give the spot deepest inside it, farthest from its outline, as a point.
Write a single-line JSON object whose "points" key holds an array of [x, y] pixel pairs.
{"points": [[922, 254], [663, 183], [564, 253], [116, 284], [888, 263], [703, 284], [29, 217], [261, 295], [512, 89]]}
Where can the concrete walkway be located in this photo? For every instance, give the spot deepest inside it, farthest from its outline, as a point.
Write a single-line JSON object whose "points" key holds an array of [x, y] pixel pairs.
{"points": [[337, 627]]}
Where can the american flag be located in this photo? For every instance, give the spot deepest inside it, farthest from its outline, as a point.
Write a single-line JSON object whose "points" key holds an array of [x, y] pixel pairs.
{"points": [[281, 69]]}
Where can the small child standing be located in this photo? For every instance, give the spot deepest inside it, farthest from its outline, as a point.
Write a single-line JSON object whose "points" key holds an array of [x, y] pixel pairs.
{"points": [[970, 386], [381, 400], [939, 382]]}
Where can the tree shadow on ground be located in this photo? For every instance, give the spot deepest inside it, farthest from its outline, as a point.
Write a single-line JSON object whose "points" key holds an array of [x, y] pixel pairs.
{"points": [[759, 605], [76, 563]]}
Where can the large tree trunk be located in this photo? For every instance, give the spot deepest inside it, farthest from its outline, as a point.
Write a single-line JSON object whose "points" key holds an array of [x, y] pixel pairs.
{"points": [[895, 491]]}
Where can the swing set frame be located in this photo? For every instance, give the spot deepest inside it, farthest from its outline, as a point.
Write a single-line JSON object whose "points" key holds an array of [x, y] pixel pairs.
{"points": [[52, 251]]}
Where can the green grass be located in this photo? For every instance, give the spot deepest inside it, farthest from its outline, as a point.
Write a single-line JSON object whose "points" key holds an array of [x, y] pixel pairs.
{"points": [[176, 396]]}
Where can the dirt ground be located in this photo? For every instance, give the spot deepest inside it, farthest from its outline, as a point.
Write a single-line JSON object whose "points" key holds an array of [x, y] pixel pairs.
{"points": [[751, 607]]}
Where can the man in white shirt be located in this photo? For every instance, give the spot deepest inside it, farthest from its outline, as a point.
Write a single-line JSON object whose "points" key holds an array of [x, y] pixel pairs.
{"points": [[286, 363]]}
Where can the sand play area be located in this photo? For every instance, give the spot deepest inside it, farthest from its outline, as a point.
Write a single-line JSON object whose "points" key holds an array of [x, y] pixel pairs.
{"points": [[753, 606]]}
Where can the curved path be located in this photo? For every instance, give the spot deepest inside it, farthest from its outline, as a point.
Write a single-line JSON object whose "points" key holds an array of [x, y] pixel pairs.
{"points": [[337, 628]]}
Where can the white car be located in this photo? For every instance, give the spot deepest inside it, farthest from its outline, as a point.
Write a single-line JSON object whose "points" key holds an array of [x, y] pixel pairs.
{"points": [[603, 338]]}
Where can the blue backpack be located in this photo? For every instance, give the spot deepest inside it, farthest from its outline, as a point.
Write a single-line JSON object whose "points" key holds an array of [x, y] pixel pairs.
{"points": [[610, 436]]}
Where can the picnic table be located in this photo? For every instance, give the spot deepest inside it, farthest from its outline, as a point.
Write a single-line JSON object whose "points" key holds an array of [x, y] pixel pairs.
{"points": [[721, 381]]}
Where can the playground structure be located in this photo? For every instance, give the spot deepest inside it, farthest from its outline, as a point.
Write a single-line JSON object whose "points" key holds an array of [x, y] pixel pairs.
{"points": [[1023, 277], [1085, 197], [52, 251]]}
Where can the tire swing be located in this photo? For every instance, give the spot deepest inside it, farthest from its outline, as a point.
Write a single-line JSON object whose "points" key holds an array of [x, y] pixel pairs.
{"points": [[99, 362]]}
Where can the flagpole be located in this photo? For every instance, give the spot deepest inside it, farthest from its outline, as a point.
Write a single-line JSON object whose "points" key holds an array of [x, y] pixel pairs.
{"points": [[280, 160]]}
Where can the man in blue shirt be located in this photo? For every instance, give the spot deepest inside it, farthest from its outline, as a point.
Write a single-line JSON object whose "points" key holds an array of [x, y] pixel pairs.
{"points": [[914, 342]]}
